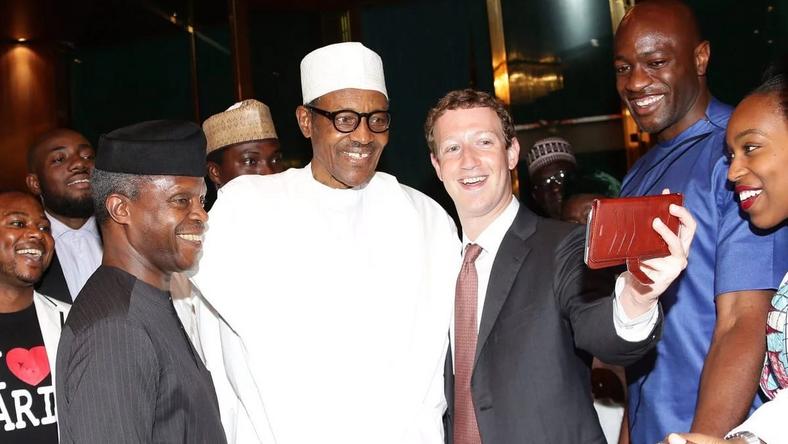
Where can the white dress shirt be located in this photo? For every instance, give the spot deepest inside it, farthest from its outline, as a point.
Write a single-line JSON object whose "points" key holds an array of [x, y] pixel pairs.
{"points": [[490, 239], [79, 251]]}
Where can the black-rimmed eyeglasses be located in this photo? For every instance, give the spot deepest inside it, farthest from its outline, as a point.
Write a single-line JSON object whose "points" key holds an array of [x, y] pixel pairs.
{"points": [[347, 120]]}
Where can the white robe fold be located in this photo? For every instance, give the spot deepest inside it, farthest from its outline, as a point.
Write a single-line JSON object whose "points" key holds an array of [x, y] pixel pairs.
{"points": [[335, 308]]}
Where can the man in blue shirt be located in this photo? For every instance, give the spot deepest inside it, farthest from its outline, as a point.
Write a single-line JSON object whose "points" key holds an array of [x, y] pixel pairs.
{"points": [[704, 373]]}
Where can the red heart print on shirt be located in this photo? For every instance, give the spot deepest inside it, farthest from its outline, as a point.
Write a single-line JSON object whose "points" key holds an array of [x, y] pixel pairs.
{"points": [[30, 366]]}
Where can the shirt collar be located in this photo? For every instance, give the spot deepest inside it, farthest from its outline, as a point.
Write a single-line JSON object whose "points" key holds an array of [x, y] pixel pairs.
{"points": [[492, 236], [59, 228], [716, 117]]}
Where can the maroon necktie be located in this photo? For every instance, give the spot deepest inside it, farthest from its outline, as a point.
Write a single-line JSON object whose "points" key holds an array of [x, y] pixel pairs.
{"points": [[466, 431]]}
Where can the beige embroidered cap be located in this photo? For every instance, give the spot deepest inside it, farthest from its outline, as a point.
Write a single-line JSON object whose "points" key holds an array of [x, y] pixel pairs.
{"points": [[243, 122]]}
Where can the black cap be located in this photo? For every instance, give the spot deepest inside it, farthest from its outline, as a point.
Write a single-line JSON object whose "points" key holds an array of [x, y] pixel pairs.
{"points": [[154, 148]]}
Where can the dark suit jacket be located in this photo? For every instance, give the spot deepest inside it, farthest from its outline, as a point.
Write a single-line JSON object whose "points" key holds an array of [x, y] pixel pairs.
{"points": [[53, 283], [126, 371], [530, 383]]}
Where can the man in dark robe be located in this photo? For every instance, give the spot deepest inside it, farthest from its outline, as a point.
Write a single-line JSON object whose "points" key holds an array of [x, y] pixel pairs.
{"points": [[127, 370]]}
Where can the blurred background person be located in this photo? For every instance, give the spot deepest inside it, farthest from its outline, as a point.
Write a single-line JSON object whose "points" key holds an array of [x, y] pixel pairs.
{"points": [[551, 164], [554, 175], [242, 140], [577, 207], [59, 167]]}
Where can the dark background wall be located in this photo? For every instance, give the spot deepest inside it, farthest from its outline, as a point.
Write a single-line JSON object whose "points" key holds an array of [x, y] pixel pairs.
{"points": [[428, 48], [114, 62]]}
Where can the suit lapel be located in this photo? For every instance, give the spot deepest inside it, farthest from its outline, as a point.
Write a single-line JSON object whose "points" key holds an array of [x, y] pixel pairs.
{"points": [[53, 282], [49, 321], [510, 258]]}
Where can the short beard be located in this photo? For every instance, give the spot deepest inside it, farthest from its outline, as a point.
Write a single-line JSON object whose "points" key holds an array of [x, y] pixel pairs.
{"points": [[11, 270], [81, 208]]}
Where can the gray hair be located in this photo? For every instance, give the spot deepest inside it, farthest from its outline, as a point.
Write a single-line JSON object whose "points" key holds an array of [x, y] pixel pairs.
{"points": [[104, 183]]}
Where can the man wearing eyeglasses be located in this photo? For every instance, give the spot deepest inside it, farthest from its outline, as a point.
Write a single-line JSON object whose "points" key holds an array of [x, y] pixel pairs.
{"points": [[345, 341], [551, 163]]}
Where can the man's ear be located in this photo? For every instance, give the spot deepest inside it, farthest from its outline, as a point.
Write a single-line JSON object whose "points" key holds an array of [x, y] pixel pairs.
{"points": [[214, 175], [702, 54], [31, 180], [513, 154], [304, 119], [119, 208], [437, 165]]}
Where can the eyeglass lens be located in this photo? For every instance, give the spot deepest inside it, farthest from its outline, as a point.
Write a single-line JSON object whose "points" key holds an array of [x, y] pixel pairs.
{"points": [[348, 121]]}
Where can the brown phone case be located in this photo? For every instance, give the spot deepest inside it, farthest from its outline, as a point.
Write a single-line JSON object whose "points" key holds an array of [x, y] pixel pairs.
{"points": [[619, 231]]}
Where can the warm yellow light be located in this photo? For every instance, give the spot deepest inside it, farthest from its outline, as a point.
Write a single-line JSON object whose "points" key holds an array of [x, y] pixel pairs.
{"points": [[501, 83], [21, 40]]}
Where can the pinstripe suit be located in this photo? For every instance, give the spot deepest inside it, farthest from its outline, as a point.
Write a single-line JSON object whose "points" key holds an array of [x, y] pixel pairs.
{"points": [[127, 373]]}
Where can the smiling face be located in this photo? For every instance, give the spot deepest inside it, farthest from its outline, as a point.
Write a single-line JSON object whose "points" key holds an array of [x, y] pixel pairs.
{"points": [[256, 157], [166, 222], [757, 139], [549, 184], [60, 171], [474, 164], [344, 160], [26, 243], [660, 68]]}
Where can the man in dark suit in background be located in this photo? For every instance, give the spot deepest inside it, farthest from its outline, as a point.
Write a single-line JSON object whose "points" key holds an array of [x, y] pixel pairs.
{"points": [[59, 165], [127, 372], [520, 379]]}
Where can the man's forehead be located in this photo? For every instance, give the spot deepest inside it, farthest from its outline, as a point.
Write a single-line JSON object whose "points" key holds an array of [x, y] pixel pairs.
{"points": [[254, 146], [21, 204], [467, 123], [350, 97], [649, 42], [663, 21], [478, 117], [61, 140], [175, 183], [65, 137]]}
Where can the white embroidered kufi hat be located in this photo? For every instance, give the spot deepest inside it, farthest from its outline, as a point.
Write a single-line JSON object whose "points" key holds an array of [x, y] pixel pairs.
{"points": [[341, 66], [547, 151]]}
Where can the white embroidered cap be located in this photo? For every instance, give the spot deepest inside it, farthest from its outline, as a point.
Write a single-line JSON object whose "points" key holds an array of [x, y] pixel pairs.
{"points": [[341, 66], [547, 151]]}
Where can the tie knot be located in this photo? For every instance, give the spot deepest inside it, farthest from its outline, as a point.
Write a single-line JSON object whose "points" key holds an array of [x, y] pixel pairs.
{"points": [[472, 251]]}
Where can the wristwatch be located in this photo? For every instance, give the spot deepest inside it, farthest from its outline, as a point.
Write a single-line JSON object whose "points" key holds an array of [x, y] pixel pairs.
{"points": [[748, 437]]}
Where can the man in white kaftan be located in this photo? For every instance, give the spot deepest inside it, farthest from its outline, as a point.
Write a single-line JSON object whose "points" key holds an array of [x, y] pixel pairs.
{"points": [[334, 283]]}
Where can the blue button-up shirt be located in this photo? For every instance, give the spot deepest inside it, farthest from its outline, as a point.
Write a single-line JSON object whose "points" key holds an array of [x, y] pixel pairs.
{"points": [[726, 256]]}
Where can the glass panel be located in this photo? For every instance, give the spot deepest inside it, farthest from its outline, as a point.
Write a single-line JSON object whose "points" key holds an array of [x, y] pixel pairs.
{"points": [[559, 58]]}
